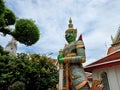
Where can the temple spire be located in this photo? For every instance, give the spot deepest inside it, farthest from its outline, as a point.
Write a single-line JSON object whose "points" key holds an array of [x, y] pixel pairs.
{"points": [[70, 25], [11, 47]]}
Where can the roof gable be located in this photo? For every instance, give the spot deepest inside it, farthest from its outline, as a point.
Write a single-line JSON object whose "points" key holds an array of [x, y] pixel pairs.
{"points": [[103, 62]]}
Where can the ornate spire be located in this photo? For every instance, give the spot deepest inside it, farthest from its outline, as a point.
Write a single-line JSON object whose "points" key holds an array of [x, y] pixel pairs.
{"points": [[117, 37], [11, 47], [70, 25]]}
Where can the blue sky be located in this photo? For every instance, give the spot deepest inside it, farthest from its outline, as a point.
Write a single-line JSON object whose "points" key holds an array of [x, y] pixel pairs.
{"points": [[97, 20]]}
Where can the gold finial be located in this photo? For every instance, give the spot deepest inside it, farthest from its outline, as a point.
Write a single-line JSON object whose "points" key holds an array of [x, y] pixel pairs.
{"points": [[70, 25], [113, 40]]}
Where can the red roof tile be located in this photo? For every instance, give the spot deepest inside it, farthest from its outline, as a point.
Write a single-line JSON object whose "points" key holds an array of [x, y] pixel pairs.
{"points": [[111, 59]]}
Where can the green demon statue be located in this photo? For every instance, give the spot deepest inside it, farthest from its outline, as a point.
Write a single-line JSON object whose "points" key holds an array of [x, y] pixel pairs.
{"points": [[72, 57]]}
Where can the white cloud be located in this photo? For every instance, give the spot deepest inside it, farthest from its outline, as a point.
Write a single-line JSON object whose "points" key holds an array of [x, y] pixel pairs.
{"points": [[97, 20]]}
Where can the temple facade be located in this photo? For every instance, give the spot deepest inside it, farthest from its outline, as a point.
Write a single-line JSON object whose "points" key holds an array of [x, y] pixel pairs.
{"points": [[108, 67]]}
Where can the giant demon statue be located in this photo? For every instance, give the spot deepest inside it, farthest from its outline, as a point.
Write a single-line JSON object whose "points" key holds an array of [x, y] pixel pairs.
{"points": [[71, 58]]}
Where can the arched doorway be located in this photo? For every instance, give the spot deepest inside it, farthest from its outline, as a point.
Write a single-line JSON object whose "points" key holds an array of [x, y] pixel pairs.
{"points": [[105, 81]]}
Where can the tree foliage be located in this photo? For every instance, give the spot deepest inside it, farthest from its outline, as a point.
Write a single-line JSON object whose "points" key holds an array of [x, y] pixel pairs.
{"points": [[25, 27], [34, 72], [9, 17], [25, 31], [2, 7]]}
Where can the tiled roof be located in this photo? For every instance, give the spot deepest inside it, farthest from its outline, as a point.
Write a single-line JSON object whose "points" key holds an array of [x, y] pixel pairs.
{"points": [[109, 60]]}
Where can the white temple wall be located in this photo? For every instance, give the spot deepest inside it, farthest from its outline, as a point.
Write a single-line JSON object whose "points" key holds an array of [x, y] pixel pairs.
{"points": [[113, 74]]}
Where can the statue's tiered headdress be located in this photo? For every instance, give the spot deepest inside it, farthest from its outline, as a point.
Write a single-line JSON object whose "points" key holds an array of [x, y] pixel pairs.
{"points": [[70, 28]]}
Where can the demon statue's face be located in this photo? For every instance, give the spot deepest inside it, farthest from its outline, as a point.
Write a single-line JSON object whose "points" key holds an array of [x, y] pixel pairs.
{"points": [[70, 36]]}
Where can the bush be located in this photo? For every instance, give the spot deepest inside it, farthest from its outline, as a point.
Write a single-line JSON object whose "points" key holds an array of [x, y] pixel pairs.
{"points": [[26, 32], [18, 85], [9, 17]]}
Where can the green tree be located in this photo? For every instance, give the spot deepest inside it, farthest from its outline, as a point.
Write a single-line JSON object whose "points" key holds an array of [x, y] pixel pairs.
{"points": [[25, 31], [17, 86], [47, 72], [34, 72]]}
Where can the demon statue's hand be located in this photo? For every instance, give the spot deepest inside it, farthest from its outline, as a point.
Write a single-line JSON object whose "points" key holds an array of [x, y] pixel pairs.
{"points": [[60, 58]]}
